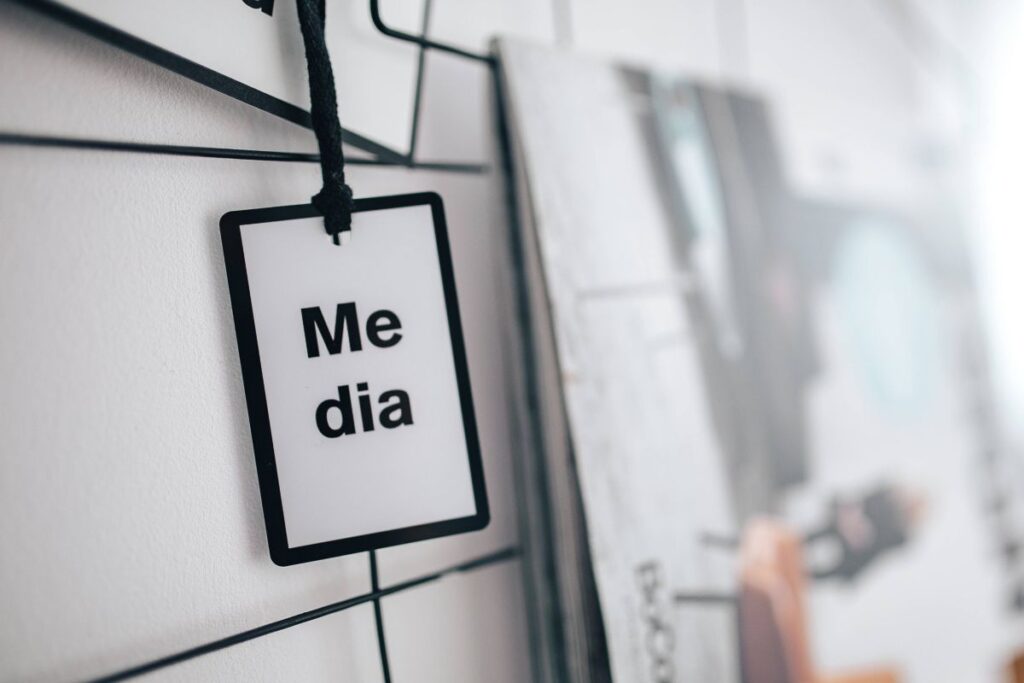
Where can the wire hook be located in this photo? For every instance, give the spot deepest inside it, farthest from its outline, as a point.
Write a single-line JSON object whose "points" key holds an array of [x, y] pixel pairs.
{"points": [[422, 41]]}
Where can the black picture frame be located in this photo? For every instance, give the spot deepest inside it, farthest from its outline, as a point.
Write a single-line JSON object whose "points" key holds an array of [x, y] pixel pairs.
{"points": [[231, 226]]}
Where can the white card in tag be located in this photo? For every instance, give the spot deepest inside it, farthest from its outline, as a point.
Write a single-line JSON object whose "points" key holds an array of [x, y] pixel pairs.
{"points": [[355, 377]]}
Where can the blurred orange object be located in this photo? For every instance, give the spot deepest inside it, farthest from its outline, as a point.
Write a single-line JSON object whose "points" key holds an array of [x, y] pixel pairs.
{"points": [[865, 677], [1015, 671], [773, 614]]}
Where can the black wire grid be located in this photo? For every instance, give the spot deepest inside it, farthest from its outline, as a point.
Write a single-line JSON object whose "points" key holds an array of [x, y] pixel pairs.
{"points": [[375, 595], [381, 156]]}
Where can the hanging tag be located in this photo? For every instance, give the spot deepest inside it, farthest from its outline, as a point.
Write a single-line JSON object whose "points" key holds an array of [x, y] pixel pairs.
{"points": [[355, 377]]}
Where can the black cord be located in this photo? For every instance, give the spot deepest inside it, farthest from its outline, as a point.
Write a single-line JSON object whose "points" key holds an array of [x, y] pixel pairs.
{"points": [[334, 200]]}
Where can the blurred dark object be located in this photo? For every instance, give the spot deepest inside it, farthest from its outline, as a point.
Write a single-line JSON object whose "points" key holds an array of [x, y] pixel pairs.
{"points": [[866, 528], [722, 181]]}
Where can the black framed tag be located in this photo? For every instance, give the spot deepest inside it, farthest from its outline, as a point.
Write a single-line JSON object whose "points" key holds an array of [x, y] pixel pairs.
{"points": [[355, 377]]}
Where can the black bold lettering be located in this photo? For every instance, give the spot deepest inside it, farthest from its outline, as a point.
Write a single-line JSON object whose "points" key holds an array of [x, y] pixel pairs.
{"points": [[383, 321], [344, 405], [313, 323], [402, 407], [365, 411]]}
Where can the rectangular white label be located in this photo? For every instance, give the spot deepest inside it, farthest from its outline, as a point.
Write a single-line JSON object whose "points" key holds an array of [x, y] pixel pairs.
{"points": [[355, 375]]}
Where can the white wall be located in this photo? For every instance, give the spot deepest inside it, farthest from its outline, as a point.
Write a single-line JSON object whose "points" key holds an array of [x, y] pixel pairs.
{"points": [[129, 513]]}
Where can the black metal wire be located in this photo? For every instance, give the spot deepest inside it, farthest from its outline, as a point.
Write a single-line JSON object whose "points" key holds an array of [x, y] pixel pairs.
{"points": [[421, 63], [196, 72], [385, 157], [378, 619], [28, 140], [422, 41], [266, 629]]}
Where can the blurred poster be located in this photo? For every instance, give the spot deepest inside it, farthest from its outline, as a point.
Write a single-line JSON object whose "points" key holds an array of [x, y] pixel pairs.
{"points": [[641, 442], [720, 180], [899, 540], [769, 444]]}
